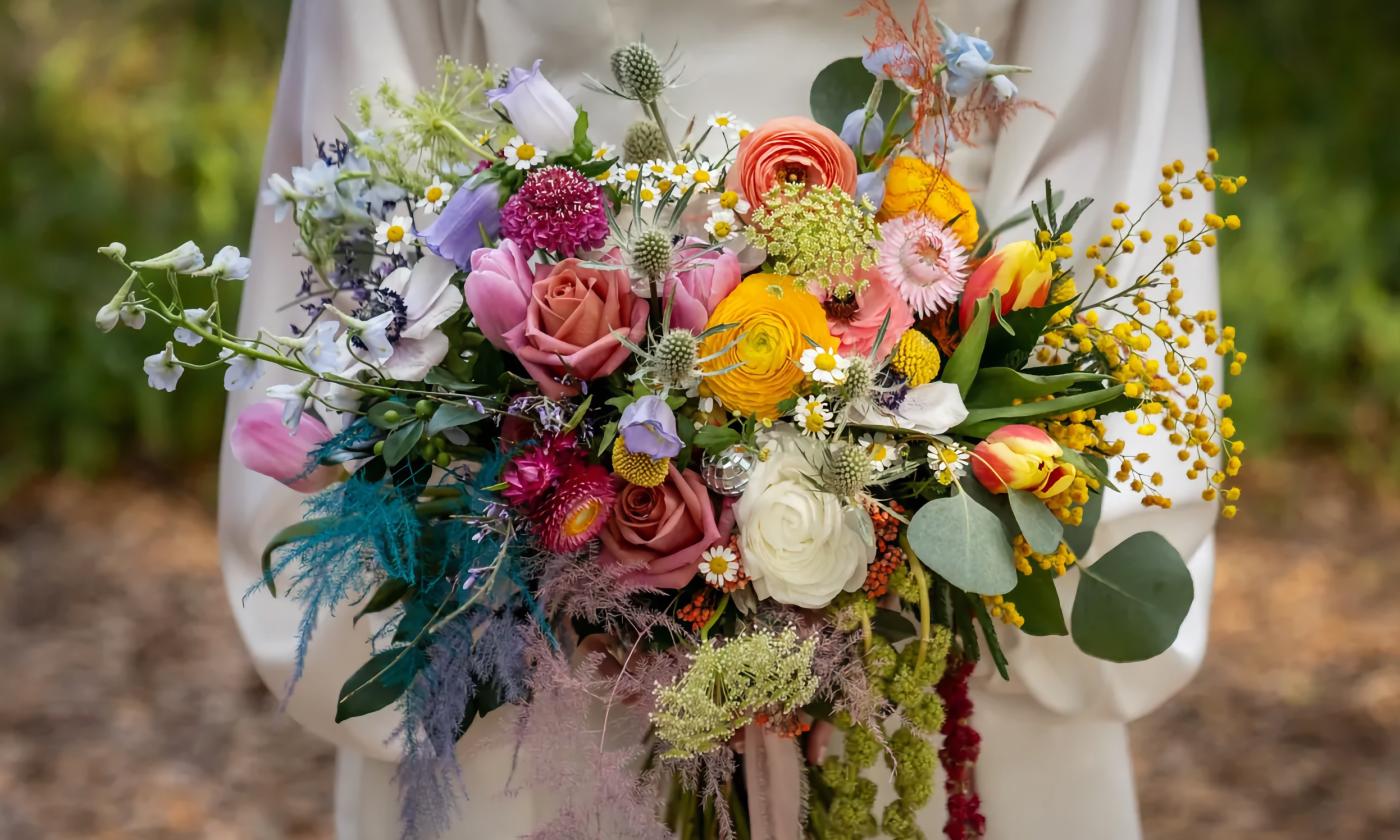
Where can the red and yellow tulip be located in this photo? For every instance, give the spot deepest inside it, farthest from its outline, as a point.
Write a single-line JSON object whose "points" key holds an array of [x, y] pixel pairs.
{"points": [[1021, 457], [1019, 270]]}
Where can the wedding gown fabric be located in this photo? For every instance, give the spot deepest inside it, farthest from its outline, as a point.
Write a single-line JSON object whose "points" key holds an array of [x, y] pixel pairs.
{"points": [[1124, 81]]}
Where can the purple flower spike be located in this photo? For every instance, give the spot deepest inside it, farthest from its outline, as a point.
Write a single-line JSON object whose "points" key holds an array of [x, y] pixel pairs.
{"points": [[648, 427]]}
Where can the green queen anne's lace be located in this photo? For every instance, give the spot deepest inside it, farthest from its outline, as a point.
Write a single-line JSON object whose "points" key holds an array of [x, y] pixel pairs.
{"points": [[820, 235], [728, 684]]}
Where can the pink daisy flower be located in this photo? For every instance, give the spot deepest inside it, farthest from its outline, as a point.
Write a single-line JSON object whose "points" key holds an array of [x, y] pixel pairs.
{"points": [[557, 209], [577, 511], [924, 261]]}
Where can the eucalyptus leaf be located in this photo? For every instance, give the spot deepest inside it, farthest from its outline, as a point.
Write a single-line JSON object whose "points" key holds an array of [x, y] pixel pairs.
{"points": [[965, 544], [378, 682], [1131, 602], [401, 441], [451, 416], [1038, 525], [1038, 602], [844, 86]]}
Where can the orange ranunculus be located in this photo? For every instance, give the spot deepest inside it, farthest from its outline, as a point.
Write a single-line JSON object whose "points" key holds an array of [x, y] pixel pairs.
{"points": [[1019, 270], [914, 184], [791, 149]]}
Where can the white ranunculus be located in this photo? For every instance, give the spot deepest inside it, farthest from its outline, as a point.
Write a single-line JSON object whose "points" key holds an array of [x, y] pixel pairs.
{"points": [[800, 546]]}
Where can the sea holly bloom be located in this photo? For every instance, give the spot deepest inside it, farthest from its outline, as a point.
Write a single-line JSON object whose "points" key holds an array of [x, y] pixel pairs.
{"points": [[1020, 271], [392, 234], [434, 196], [522, 155], [539, 112], [260, 442], [162, 369], [648, 427], [824, 364], [1021, 457]]}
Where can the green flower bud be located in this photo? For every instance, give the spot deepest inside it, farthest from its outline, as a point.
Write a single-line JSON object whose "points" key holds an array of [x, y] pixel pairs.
{"points": [[638, 72], [642, 142]]}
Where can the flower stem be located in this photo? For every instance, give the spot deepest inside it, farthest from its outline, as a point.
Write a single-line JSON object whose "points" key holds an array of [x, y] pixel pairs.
{"points": [[925, 617], [719, 610]]}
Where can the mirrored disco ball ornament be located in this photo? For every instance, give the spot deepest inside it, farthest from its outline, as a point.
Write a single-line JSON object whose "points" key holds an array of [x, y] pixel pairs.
{"points": [[727, 473]]}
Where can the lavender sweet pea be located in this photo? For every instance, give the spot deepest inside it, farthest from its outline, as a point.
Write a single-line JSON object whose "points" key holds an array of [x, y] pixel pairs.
{"points": [[537, 109], [471, 213], [851, 131], [648, 427]]}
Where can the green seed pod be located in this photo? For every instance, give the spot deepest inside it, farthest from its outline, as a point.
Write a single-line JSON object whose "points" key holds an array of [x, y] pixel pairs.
{"points": [[638, 72], [642, 142]]}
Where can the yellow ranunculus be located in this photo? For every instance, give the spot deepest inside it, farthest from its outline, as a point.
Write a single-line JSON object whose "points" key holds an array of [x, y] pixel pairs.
{"points": [[775, 317], [914, 184]]}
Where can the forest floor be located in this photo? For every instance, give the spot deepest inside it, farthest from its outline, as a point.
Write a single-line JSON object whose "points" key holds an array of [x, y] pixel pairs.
{"points": [[129, 708]]}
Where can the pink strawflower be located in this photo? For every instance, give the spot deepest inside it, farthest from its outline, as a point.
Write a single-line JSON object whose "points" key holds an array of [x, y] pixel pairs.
{"points": [[577, 511], [557, 209], [535, 471], [924, 261]]}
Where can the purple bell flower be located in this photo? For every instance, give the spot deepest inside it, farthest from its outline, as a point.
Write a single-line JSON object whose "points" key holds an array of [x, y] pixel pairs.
{"points": [[648, 427], [458, 231]]}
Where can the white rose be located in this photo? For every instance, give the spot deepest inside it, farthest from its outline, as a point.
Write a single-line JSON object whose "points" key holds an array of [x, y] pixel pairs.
{"points": [[800, 546]]}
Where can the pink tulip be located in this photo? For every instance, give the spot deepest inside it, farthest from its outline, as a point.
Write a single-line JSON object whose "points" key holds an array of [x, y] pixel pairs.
{"points": [[262, 444], [1021, 457], [498, 289], [704, 280], [1018, 270]]}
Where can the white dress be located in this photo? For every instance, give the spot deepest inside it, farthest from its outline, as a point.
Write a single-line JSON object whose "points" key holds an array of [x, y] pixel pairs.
{"points": [[1125, 83]]}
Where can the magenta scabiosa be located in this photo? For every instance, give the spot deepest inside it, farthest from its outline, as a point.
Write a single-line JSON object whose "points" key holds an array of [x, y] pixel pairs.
{"points": [[557, 209]]}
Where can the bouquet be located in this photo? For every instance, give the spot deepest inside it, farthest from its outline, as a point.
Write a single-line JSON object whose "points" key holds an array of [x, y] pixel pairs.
{"points": [[721, 441]]}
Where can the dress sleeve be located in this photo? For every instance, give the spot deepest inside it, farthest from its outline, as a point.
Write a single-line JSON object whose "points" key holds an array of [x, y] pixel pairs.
{"points": [[334, 49], [1126, 85]]}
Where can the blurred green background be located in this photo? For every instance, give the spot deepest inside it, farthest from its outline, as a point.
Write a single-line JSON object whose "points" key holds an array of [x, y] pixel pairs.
{"points": [[144, 121]]}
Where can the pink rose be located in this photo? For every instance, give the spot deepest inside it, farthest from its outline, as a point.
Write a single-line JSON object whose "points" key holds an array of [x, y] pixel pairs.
{"points": [[498, 289], [704, 280], [569, 322], [880, 297], [262, 444], [661, 531]]}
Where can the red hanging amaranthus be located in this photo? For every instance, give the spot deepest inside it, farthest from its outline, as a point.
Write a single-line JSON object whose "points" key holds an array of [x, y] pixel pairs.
{"points": [[958, 755]]}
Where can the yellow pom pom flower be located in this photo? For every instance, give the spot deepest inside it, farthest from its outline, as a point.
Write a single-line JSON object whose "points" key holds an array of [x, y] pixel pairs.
{"points": [[636, 468], [774, 320], [914, 184], [916, 358]]}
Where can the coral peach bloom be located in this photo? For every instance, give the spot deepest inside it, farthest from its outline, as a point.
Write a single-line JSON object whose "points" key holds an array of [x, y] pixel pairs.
{"points": [[660, 532], [1018, 270], [915, 184], [774, 319], [879, 299], [570, 317], [791, 149], [1021, 457]]}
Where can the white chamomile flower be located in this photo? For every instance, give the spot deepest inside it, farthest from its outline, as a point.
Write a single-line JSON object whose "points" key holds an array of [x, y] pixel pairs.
{"points": [[729, 200], [649, 195], [883, 451], [392, 234], [162, 369], [824, 364], [948, 460], [189, 337], [720, 565], [603, 151], [607, 176], [701, 177], [657, 169], [434, 197], [722, 225], [723, 120], [813, 416], [522, 155], [626, 176], [485, 138], [678, 171], [742, 129]]}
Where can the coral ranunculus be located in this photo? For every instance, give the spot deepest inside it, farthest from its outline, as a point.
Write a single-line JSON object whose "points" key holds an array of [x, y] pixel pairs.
{"points": [[791, 149], [1018, 270], [569, 322], [661, 531], [775, 318], [878, 300], [913, 184]]}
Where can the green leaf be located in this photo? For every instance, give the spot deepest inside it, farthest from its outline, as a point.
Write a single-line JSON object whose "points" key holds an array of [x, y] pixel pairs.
{"points": [[1013, 346], [578, 414], [963, 365], [443, 378], [609, 432], [989, 632], [1080, 537], [715, 438], [290, 534], [1038, 602], [389, 593], [594, 168], [892, 625], [1073, 215], [965, 544], [401, 441], [844, 86], [378, 682], [1094, 467], [450, 416], [1131, 603], [389, 414], [583, 148], [1002, 386], [981, 422], [1038, 525]]}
